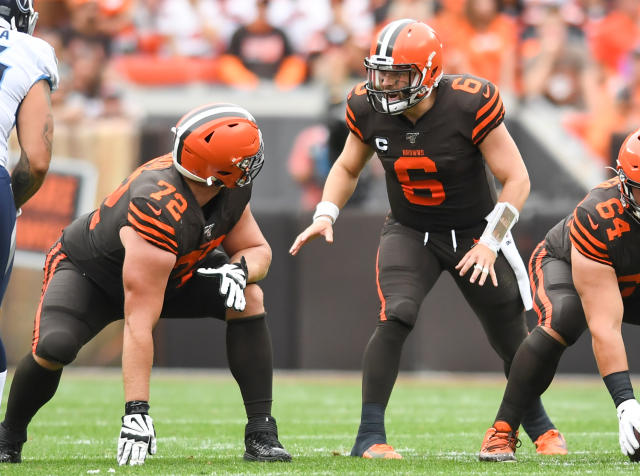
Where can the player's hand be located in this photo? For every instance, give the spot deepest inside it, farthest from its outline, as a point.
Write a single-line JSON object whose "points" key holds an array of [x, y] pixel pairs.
{"points": [[233, 280], [481, 259], [629, 420], [137, 439], [320, 227]]}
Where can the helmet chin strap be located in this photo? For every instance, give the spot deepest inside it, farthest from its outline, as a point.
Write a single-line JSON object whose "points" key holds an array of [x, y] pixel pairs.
{"points": [[214, 181]]}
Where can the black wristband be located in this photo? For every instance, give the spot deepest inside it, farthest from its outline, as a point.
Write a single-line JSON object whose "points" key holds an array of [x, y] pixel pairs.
{"points": [[619, 386], [136, 407]]}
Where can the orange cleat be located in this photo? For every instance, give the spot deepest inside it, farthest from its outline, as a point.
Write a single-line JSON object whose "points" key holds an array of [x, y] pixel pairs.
{"points": [[381, 450], [500, 443], [551, 443]]}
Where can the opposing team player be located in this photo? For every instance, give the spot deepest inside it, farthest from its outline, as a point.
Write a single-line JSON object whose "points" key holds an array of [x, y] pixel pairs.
{"points": [[151, 250], [28, 74], [433, 134], [584, 274]]}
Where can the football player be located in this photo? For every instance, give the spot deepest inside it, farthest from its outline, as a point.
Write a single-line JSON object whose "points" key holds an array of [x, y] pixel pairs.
{"points": [[584, 274], [433, 133], [28, 74], [151, 250]]}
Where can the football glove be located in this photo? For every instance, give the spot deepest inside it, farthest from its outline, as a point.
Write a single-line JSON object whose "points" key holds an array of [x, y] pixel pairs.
{"points": [[629, 426], [137, 438], [233, 280]]}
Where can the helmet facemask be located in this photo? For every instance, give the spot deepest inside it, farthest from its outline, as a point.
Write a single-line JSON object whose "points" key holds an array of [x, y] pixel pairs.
{"points": [[250, 166], [627, 199], [393, 88]]}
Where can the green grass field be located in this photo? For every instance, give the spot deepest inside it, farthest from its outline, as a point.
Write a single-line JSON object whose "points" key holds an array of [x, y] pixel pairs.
{"points": [[436, 422]]}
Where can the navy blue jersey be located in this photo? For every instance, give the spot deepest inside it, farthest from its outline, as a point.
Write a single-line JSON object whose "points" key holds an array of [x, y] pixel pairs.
{"points": [[157, 203], [435, 173]]}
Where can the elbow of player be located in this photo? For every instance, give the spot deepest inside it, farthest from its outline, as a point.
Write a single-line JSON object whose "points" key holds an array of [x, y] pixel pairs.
{"points": [[39, 163]]}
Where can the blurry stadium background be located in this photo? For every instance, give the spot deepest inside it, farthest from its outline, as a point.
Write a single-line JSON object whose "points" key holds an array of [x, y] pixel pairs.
{"points": [[568, 71]]}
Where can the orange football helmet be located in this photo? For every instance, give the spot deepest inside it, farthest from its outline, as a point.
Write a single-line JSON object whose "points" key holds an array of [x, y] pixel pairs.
{"points": [[219, 144], [628, 168], [403, 66]]}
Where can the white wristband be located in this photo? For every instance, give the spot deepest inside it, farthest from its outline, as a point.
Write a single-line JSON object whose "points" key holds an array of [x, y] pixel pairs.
{"points": [[499, 223], [326, 209]]}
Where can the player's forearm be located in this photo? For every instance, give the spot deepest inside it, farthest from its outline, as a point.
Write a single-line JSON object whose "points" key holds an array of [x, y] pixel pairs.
{"points": [[137, 360], [515, 191], [27, 177], [608, 349], [258, 260], [340, 185]]}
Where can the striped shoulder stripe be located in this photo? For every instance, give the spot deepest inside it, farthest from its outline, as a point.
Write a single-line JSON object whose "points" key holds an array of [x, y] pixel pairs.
{"points": [[387, 37], [152, 229], [151, 235], [488, 117], [154, 221], [587, 244], [352, 127]]}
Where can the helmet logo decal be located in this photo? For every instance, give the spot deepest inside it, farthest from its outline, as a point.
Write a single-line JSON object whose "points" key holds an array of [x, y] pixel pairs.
{"points": [[433, 53], [24, 5]]}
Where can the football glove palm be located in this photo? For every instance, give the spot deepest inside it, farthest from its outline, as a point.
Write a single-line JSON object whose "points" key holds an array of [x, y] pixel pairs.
{"points": [[137, 439], [233, 280], [629, 425]]}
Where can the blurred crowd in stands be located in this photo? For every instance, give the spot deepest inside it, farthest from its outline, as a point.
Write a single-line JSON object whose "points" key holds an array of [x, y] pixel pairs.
{"points": [[581, 57]]}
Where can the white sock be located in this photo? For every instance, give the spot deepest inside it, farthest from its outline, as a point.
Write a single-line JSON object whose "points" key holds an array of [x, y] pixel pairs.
{"points": [[3, 378]]}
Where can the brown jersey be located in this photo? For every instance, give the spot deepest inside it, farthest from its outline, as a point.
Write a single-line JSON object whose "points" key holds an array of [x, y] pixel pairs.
{"points": [[435, 173], [601, 229], [158, 204]]}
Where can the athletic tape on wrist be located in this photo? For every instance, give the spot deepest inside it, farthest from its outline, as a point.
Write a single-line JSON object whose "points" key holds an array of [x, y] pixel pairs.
{"points": [[136, 407], [619, 386], [328, 209], [499, 223]]}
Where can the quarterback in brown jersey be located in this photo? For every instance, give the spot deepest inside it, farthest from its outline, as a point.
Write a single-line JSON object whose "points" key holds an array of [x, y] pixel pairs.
{"points": [[584, 274], [151, 251], [434, 134]]}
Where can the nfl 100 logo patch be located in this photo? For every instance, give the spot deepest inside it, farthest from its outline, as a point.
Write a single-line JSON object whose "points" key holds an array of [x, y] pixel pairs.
{"points": [[208, 231], [412, 136]]}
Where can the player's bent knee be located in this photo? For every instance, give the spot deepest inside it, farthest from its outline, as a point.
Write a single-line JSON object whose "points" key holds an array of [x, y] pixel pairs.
{"points": [[556, 335], [254, 298], [47, 364], [60, 346], [403, 310]]}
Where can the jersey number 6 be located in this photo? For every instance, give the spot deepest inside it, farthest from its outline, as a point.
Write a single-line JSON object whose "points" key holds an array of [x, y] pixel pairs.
{"points": [[417, 189]]}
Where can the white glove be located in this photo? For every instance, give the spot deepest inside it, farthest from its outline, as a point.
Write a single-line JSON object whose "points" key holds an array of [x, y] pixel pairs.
{"points": [[233, 280], [629, 419], [137, 438]]}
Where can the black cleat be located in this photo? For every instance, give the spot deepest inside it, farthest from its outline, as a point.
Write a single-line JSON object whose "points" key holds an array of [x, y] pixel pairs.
{"points": [[261, 441], [11, 445]]}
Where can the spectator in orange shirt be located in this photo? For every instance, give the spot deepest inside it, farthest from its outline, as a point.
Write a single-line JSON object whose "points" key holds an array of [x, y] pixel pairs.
{"points": [[489, 40], [261, 51], [615, 36]]}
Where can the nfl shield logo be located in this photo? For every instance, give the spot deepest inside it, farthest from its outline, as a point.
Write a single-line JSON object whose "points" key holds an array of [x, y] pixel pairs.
{"points": [[207, 230], [412, 136]]}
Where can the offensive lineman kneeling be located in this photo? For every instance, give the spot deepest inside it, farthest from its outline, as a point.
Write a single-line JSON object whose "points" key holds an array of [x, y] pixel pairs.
{"points": [[150, 250]]}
